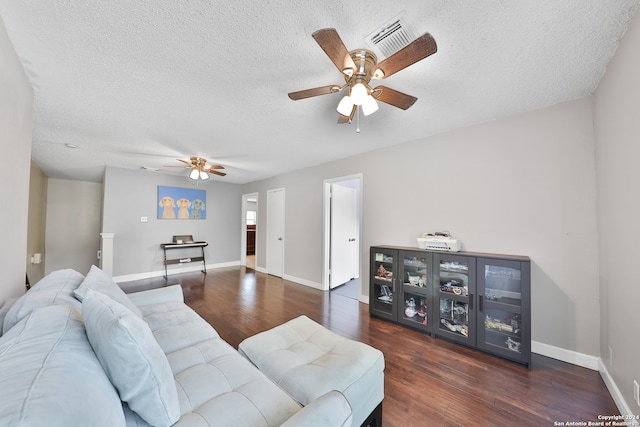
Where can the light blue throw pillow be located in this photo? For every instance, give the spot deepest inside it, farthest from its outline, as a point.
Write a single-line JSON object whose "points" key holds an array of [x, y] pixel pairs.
{"points": [[132, 359], [100, 281]]}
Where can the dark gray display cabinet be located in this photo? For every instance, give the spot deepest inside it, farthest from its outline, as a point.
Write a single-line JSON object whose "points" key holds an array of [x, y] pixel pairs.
{"points": [[476, 299], [415, 306], [383, 291]]}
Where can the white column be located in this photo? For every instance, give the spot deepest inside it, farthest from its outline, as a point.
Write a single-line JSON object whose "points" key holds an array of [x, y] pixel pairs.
{"points": [[106, 248]]}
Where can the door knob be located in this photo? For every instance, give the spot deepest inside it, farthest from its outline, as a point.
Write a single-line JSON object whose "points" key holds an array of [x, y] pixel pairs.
{"points": [[280, 238]]}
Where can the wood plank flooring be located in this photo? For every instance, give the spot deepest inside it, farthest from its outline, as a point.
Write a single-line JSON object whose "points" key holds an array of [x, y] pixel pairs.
{"points": [[428, 382]]}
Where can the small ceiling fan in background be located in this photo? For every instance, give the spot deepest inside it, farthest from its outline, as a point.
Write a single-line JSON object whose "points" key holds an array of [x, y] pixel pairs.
{"points": [[359, 67], [199, 168]]}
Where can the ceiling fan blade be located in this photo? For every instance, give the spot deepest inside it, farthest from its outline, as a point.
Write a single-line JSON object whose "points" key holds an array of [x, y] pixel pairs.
{"points": [[175, 166], [342, 119], [215, 167], [184, 161], [215, 172], [308, 93], [420, 48], [333, 46], [393, 97]]}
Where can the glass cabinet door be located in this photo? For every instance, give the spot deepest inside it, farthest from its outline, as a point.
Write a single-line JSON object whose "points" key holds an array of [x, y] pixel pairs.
{"points": [[455, 292], [415, 308], [383, 288], [503, 294]]}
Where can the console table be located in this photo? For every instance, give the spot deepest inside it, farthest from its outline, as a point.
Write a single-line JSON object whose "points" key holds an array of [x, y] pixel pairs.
{"points": [[183, 245]]}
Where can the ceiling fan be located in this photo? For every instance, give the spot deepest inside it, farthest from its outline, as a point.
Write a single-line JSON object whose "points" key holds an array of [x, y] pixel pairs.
{"points": [[359, 67], [199, 168]]}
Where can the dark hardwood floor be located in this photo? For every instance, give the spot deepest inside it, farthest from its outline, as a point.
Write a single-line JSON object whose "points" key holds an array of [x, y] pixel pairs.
{"points": [[428, 382]]}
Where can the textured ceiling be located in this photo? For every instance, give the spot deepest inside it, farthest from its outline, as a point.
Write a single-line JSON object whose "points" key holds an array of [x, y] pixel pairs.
{"points": [[141, 83]]}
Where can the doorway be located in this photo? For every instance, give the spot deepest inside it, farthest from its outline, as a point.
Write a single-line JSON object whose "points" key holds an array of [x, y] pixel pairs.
{"points": [[248, 239], [342, 226], [275, 232]]}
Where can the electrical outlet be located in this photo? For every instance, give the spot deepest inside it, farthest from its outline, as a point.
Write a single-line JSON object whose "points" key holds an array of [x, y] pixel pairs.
{"points": [[636, 392], [610, 356]]}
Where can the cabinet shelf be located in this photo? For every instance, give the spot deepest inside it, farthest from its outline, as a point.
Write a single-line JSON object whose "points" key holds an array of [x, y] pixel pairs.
{"points": [[454, 269], [505, 334], [511, 302], [408, 287], [416, 319], [452, 327], [495, 305], [509, 345], [453, 297]]}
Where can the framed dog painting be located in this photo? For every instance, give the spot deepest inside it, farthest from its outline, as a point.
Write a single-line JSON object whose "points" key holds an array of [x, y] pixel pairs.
{"points": [[181, 203]]}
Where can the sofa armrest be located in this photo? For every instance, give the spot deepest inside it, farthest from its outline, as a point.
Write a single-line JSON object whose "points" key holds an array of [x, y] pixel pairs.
{"points": [[329, 410], [157, 296]]}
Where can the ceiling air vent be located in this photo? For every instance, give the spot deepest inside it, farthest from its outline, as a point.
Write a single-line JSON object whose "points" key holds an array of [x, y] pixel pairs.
{"points": [[392, 36]]}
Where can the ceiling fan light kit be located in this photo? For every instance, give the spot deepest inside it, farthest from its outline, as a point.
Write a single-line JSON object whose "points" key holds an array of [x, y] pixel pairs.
{"points": [[369, 105], [195, 174], [345, 106], [198, 168], [359, 67]]}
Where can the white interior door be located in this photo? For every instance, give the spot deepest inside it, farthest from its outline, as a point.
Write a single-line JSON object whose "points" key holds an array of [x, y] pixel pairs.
{"points": [[343, 235], [275, 232]]}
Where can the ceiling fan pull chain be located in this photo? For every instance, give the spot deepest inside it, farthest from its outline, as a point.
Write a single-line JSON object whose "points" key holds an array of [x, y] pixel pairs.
{"points": [[358, 119]]}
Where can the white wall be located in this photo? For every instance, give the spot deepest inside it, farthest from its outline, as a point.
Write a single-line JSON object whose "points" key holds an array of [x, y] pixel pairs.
{"points": [[617, 118], [73, 225], [131, 194], [16, 100], [303, 248], [523, 185]]}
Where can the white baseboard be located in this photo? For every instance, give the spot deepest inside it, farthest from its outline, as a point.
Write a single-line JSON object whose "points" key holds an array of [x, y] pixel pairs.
{"points": [[622, 405], [590, 362], [573, 357], [305, 282], [159, 273]]}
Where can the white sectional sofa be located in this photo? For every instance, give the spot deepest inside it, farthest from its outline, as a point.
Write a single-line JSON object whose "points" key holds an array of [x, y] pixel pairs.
{"points": [[77, 351]]}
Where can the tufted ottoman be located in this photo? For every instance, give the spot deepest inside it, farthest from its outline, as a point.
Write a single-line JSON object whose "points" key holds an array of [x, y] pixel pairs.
{"points": [[307, 360]]}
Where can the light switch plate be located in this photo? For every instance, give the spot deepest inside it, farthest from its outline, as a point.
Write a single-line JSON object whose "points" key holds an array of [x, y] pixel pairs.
{"points": [[144, 219]]}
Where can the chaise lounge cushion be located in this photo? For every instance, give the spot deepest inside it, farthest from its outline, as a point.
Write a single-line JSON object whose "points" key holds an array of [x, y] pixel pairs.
{"points": [[132, 359], [308, 360], [55, 288], [49, 375]]}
